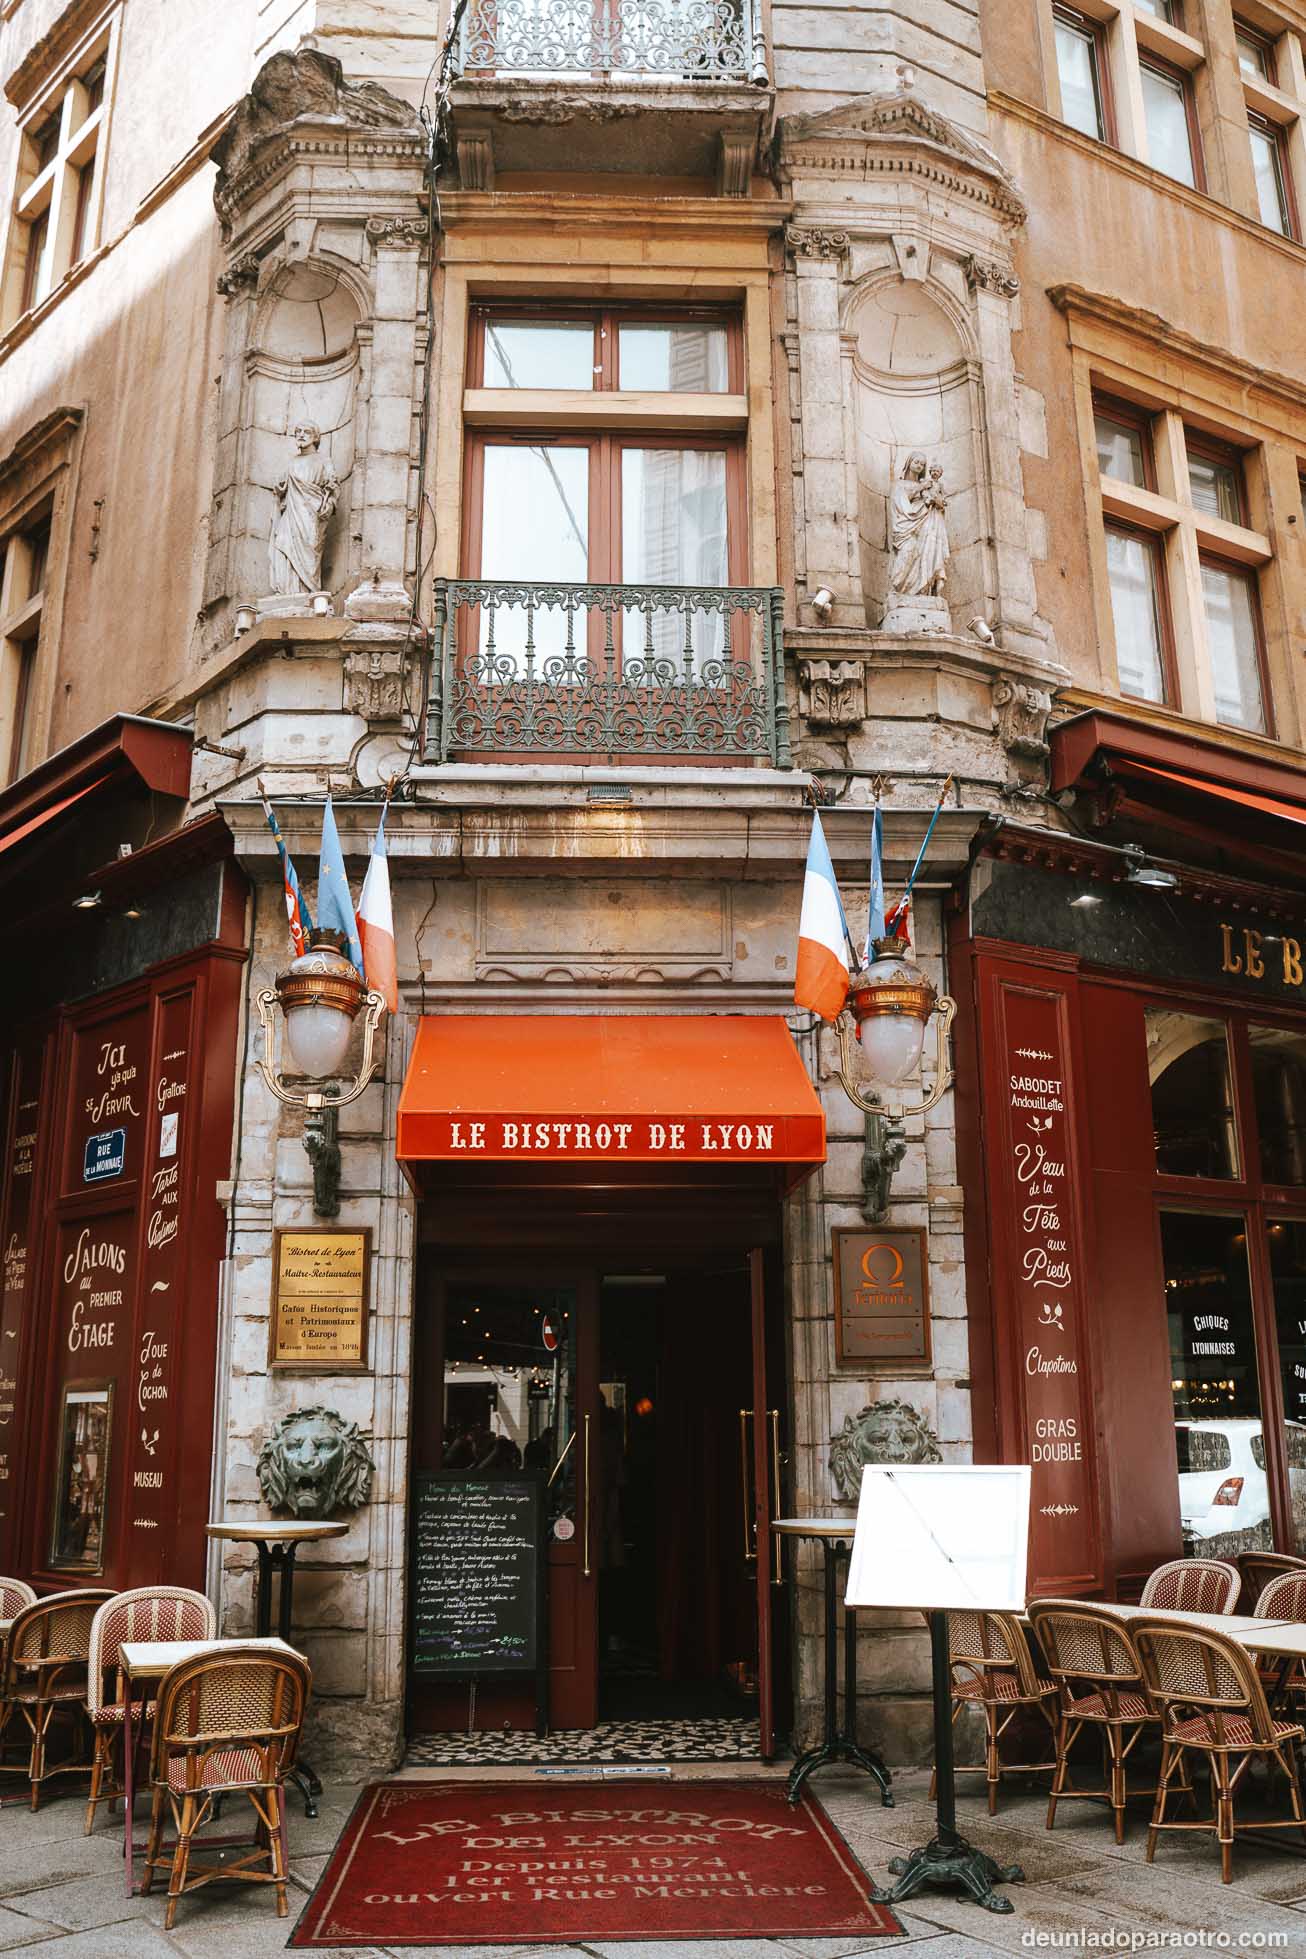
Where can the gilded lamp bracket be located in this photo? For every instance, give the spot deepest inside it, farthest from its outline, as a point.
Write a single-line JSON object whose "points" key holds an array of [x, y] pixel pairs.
{"points": [[878, 1102]]}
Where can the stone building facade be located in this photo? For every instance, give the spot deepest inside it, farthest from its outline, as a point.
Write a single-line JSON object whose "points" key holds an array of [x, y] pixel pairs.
{"points": [[880, 228]]}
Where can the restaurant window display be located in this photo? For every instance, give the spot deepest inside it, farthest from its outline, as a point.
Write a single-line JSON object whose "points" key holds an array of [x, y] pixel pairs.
{"points": [[1227, 1104]]}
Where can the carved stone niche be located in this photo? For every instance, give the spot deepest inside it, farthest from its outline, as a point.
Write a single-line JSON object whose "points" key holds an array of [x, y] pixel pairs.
{"points": [[832, 693]]}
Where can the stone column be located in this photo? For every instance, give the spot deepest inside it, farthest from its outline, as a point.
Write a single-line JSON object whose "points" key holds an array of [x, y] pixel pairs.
{"points": [[832, 555]]}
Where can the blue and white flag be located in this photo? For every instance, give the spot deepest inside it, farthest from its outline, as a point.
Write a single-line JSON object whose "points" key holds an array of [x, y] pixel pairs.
{"points": [[875, 916], [335, 906]]}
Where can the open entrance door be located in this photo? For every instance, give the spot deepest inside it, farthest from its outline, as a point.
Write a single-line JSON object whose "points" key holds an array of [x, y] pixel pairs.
{"points": [[639, 1388]]}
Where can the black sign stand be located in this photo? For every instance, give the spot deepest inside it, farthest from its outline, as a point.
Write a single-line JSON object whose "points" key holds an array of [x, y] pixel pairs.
{"points": [[453, 1667], [947, 1859]]}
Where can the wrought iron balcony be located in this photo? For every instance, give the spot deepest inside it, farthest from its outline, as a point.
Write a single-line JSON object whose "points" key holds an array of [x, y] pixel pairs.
{"points": [[597, 673], [682, 40]]}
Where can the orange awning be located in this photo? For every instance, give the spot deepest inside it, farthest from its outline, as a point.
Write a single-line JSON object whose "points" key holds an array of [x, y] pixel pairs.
{"points": [[628, 1088], [1268, 805]]}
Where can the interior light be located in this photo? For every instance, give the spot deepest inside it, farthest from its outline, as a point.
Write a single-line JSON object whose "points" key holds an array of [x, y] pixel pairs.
{"points": [[88, 901], [1086, 898]]}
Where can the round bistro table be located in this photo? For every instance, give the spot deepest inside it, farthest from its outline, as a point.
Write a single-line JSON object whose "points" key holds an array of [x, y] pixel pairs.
{"points": [[839, 1744], [276, 1545]]}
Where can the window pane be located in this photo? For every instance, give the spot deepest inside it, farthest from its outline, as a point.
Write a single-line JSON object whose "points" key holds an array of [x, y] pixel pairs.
{"points": [[1213, 487], [1253, 56], [1159, 10], [1192, 1095], [1081, 100], [1231, 635], [1266, 164], [1279, 1083], [534, 526], [539, 354], [1224, 1500], [1136, 611], [686, 358], [509, 1402], [32, 268], [1120, 450], [1287, 1243], [673, 532], [1166, 112]]}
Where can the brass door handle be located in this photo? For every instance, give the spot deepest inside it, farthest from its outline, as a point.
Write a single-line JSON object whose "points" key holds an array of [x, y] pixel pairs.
{"points": [[777, 1575], [585, 1529], [746, 1484]]}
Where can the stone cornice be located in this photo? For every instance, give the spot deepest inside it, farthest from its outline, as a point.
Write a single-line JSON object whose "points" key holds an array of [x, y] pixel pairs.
{"points": [[1072, 856], [36, 449], [1104, 309], [45, 56], [528, 210], [897, 136], [308, 141]]}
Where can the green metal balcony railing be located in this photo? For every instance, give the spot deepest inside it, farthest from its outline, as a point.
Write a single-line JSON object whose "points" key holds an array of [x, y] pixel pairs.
{"points": [[667, 673]]}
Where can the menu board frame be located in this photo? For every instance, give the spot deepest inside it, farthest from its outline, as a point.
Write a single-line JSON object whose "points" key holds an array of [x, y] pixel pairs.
{"points": [[537, 1482], [91, 1394], [342, 1360], [909, 1245]]}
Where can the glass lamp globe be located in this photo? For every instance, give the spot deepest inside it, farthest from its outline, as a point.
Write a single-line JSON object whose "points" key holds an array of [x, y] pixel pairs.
{"points": [[320, 994], [891, 1002]]}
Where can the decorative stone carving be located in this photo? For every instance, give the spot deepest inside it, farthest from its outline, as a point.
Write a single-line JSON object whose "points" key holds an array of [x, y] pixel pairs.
{"points": [[911, 140], [306, 497], [832, 693], [374, 683], [989, 275], [918, 545], [1022, 711], [397, 231], [735, 152], [241, 275], [304, 84], [314, 1463], [476, 159], [817, 243], [885, 1431]]}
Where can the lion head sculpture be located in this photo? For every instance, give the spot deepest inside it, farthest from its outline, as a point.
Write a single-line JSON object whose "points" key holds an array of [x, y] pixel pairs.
{"points": [[886, 1431], [314, 1462]]}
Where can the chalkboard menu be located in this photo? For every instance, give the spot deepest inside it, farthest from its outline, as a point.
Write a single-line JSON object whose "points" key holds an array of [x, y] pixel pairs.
{"points": [[479, 1575]]}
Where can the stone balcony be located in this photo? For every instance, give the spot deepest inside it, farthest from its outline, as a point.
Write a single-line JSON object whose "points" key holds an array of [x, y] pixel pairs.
{"points": [[607, 673], [664, 88]]}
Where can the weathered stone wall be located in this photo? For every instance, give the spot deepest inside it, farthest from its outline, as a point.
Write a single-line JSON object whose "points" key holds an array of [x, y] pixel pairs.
{"points": [[826, 54]]}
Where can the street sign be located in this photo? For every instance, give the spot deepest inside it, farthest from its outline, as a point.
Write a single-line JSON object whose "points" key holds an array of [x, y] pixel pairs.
{"points": [[104, 1156]]}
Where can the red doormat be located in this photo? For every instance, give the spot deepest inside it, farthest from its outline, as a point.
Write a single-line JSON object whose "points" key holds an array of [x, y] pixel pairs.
{"points": [[485, 1863]]}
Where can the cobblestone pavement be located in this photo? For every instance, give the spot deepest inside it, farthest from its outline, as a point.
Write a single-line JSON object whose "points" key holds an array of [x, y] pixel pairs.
{"points": [[61, 1893]]}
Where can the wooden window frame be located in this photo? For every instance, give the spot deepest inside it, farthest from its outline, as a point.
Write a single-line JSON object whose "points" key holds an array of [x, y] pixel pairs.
{"points": [[20, 626], [1130, 414], [1095, 33], [1234, 568], [1215, 449], [1283, 164], [1170, 694], [1244, 31], [606, 321], [1184, 81]]}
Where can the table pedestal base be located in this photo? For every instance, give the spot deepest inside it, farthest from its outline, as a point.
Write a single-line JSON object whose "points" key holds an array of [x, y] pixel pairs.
{"points": [[839, 1749], [839, 1744], [952, 1862]]}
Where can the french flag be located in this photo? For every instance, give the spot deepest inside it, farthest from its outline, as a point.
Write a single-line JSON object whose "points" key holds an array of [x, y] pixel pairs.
{"points": [[821, 981], [376, 925]]}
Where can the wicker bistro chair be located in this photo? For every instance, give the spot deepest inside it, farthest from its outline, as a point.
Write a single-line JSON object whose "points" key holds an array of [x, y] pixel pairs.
{"points": [[992, 1669], [1212, 1703], [1193, 1585], [1091, 1657], [14, 1595], [1284, 1681], [228, 1723], [45, 1675], [153, 1612], [1260, 1568]]}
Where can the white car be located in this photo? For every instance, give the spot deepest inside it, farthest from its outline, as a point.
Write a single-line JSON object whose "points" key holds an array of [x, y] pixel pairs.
{"points": [[1222, 1485]]}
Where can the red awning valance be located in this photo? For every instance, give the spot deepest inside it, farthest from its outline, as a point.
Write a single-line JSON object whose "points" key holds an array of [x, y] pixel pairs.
{"points": [[1246, 798], [626, 1088]]}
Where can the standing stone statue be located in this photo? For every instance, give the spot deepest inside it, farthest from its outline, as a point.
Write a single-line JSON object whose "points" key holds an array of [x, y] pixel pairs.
{"points": [[918, 541], [306, 497]]}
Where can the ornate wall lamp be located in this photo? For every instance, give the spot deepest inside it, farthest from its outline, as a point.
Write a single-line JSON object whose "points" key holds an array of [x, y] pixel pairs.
{"points": [[881, 1038], [320, 995]]}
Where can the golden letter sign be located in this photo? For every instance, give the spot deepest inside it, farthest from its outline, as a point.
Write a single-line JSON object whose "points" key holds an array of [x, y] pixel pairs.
{"points": [[1244, 952], [319, 1301], [881, 1298]]}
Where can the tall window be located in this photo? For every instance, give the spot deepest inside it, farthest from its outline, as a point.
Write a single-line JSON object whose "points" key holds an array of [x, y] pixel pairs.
{"points": [[1171, 124], [23, 557], [1082, 71], [1209, 659], [658, 502], [56, 212], [1273, 180]]}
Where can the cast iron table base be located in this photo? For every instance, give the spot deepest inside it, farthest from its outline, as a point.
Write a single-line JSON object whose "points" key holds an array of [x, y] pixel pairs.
{"points": [[280, 1556], [839, 1744], [947, 1859]]}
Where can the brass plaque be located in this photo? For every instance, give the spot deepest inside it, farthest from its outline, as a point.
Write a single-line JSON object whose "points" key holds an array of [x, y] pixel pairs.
{"points": [[882, 1297], [319, 1301]]}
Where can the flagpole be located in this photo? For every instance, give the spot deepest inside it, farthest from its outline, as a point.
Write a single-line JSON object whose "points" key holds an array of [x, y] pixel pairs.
{"points": [[925, 842]]}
